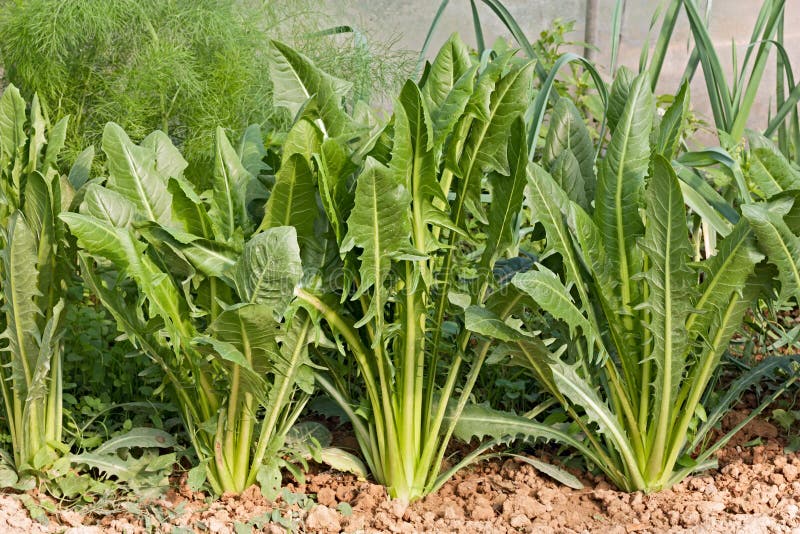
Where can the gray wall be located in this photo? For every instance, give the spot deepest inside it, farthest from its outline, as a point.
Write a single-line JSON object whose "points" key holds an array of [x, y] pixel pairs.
{"points": [[731, 21]]}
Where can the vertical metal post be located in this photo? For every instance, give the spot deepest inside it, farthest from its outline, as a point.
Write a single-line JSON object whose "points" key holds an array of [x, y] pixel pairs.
{"points": [[590, 31]]}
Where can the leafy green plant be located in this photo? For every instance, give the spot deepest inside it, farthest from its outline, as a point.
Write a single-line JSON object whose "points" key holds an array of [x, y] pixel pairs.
{"points": [[208, 301], [96, 362], [416, 239], [640, 328], [33, 275]]}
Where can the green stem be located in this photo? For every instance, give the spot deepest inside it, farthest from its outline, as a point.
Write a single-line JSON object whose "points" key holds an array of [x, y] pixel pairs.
{"points": [[221, 467], [279, 401]]}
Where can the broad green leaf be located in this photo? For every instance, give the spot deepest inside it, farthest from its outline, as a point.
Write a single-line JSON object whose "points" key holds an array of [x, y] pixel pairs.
{"points": [[269, 268], [566, 171], [568, 132], [37, 206], [246, 336], [228, 211], [448, 87], [169, 161], [554, 472], [20, 290], [82, 167], [251, 150], [121, 247], [486, 323], [109, 206], [55, 143], [546, 289], [451, 63], [196, 477], [618, 98], [296, 81], [303, 138], [269, 478], [344, 462], [133, 174], [209, 257], [12, 124], [189, 209], [293, 199]]}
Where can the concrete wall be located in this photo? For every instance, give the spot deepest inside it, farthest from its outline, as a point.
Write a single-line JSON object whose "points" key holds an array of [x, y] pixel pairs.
{"points": [[731, 22]]}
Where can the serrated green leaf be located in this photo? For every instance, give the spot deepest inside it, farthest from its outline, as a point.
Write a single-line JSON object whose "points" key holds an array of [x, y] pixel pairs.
{"points": [[621, 185], [772, 173], [378, 225], [486, 146], [777, 242], [671, 283], [507, 196]]}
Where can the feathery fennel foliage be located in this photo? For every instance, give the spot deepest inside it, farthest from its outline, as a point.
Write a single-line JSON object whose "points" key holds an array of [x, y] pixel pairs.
{"points": [[184, 67]]}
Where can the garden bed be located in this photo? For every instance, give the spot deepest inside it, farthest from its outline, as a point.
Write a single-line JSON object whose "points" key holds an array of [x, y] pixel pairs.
{"points": [[755, 489]]}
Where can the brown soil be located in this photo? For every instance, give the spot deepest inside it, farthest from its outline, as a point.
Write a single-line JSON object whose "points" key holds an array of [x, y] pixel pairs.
{"points": [[756, 489]]}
